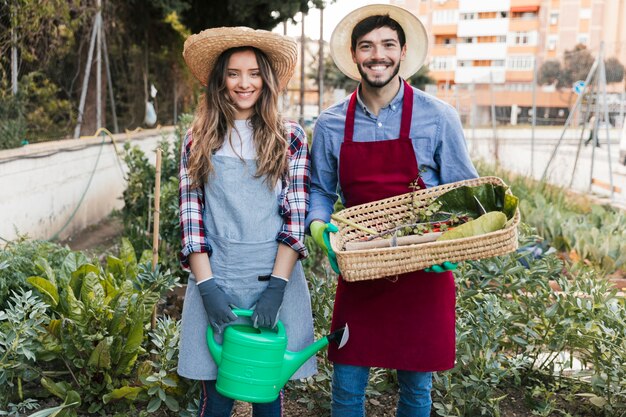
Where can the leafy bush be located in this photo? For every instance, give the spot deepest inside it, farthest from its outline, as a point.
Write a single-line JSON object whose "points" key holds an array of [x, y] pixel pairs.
{"points": [[139, 197], [18, 261], [570, 222]]}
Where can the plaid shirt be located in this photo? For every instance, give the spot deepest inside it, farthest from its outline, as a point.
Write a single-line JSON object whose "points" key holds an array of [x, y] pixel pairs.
{"points": [[294, 199]]}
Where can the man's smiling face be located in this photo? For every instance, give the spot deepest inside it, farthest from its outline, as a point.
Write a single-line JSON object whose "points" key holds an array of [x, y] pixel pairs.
{"points": [[378, 55]]}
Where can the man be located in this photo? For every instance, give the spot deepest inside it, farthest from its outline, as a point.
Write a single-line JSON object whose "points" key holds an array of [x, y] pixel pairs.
{"points": [[373, 145]]}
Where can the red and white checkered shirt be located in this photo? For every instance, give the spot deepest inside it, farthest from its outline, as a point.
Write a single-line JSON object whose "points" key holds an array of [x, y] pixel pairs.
{"points": [[294, 199]]}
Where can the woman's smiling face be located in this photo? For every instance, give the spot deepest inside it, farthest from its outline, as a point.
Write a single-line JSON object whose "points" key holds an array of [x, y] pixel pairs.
{"points": [[243, 82]]}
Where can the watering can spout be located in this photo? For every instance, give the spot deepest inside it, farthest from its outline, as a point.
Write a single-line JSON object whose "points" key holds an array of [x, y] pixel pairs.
{"points": [[214, 348], [294, 360]]}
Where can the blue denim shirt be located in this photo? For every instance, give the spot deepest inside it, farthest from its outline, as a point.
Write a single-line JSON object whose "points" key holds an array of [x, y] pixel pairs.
{"points": [[436, 133]]}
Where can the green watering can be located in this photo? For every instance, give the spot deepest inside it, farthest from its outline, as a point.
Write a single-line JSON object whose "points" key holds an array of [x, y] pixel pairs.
{"points": [[254, 364]]}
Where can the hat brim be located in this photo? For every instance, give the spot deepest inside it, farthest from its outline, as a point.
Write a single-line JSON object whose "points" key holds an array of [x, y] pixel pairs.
{"points": [[202, 50], [414, 30]]}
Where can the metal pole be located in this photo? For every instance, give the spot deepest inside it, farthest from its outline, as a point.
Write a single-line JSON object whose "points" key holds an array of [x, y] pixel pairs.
{"points": [[605, 106], [493, 119], [320, 75], [302, 47], [83, 93], [13, 57], [596, 112], [534, 121], [99, 67], [110, 83], [569, 117], [473, 114]]}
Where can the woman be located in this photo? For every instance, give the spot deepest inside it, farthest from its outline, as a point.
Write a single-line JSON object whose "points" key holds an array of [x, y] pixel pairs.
{"points": [[244, 183]]}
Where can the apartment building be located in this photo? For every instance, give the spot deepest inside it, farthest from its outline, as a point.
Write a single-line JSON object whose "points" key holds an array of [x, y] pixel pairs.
{"points": [[485, 51]]}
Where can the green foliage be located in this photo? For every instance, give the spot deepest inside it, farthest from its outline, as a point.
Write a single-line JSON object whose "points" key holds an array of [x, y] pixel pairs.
{"points": [[596, 234], [139, 199], [421, 78], [96, 331], [20, 259], [21, 325]]}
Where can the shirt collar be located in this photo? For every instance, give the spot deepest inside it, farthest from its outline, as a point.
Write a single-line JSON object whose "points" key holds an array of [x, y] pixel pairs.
{"points": [[393, 105]]}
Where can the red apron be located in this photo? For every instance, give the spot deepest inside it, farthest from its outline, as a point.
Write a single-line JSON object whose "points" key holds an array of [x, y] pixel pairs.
{"points": [[399, 323]]}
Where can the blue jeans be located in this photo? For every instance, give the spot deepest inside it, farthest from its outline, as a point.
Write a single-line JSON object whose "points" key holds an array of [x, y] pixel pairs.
{"points": [[349, 384], [214, 404]]}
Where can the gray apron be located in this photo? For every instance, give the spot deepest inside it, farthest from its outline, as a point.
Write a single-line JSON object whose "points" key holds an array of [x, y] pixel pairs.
{"points": [[242, 220]]}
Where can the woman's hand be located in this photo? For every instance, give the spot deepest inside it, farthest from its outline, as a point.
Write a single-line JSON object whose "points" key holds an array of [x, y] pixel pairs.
{"points": [[216, 303], [266, 310]]}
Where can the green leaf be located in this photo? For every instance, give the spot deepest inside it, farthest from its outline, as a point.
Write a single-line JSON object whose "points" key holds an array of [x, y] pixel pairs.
{"points": [[154, 405], [43, 265], [127, 253], [171, 403], [46, 288], [76, 282], [101, 355], [129, 393], [53, 410], [54, 388]]}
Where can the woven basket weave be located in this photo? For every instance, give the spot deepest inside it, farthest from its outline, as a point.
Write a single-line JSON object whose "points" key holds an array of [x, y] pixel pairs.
{"points": [[384, 214]]}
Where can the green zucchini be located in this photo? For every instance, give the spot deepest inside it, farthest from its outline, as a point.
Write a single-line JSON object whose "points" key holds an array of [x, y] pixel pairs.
{"points": [[489, 222]]}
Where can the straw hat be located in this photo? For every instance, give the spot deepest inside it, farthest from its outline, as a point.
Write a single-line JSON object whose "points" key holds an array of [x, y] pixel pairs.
{"points": [[202, 50], [416, 39]]}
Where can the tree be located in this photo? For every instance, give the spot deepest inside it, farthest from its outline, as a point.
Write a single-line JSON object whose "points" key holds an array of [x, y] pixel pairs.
{"points": [[257, 14], [549, 72], [614, 70], [576, 66], [421, 78]]}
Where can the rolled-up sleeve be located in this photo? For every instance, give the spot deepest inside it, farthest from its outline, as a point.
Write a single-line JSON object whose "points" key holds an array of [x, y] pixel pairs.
{"points": [[191, 204], [296, 198]]}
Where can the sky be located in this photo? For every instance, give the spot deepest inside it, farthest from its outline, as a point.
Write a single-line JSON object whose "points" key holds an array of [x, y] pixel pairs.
{"points": [[333, 13]]}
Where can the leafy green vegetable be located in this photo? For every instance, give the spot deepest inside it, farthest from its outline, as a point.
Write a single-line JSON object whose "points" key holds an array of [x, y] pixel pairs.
{"points": [[490, 222], [468, 200]]}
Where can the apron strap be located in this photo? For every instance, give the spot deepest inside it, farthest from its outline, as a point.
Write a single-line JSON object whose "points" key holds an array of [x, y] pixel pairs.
{"points": [[349, 126], [407, 112]]}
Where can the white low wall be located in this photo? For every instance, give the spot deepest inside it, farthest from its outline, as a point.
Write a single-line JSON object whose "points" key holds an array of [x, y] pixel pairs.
{"points": [[41, 184]]}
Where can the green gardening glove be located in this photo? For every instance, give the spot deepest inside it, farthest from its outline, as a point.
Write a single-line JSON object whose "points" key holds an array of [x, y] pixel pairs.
{"points": [[446, 266], [319, 233]]}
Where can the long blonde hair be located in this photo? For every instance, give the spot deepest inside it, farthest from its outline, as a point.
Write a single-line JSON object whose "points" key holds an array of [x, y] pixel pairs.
{"points": [[214, 121]]}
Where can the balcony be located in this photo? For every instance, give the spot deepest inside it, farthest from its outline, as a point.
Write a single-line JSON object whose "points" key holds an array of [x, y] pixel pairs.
{"points": [[473, 51], [525, 3], [443, 50], [483, 27], [445, 29], [480, 75], [472, 6], [524, 25]]}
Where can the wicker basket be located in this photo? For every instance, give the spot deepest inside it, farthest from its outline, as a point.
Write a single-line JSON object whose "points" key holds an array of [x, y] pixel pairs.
{"points": [[384, 262]]}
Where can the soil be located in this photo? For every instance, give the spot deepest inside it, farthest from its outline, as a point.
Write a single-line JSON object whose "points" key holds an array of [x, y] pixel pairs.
{"points": [[104, 236]]}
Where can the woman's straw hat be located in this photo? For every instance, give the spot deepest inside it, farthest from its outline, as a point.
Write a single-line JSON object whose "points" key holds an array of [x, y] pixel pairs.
{"points": [[202, 50], [416, 39]]}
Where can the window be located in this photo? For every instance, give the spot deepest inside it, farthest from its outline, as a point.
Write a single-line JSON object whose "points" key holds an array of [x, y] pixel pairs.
{"points": [[467, 16], [583, 38], [552, 42], [520, 62], [445, 17], [465, 63], [523, 38], [442, 63], [497, 63], [554, 18], [585, 14]]}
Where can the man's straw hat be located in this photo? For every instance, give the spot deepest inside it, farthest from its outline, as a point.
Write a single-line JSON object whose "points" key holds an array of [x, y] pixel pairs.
{"points": [[416, 39], [202, 50]]}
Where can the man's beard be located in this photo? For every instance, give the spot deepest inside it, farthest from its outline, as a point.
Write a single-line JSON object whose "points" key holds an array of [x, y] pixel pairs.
{"points": [[377, 83]]}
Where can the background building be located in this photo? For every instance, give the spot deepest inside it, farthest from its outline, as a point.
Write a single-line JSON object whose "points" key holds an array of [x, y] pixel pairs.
{"points": [[483, 52]]}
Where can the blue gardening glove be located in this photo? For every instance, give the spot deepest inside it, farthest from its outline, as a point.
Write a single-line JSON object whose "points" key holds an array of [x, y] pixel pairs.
{"points": [[446, 266], [267, 307], [216, 303], [319, 233]]}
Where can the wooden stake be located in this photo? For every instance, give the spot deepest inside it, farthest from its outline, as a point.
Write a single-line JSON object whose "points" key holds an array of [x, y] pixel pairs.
{"points": [[155, 227]]}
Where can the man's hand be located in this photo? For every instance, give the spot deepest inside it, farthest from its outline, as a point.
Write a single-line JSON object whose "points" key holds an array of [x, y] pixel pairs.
{"points": [[216, 303], [319, 233], [266, 310]]}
